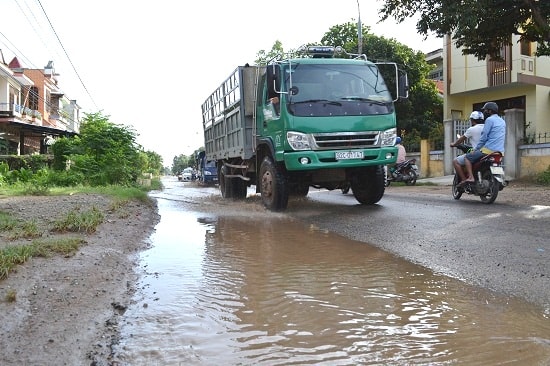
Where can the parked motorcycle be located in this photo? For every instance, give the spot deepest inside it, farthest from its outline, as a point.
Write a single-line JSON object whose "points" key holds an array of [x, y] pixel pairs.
{"points": [[406, 172], [488, 175]]}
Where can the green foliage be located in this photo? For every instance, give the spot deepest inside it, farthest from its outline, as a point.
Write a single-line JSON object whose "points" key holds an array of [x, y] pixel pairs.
{"points": [[32, 162], [543, 177], [103, 154], [423, 110], [153, 162], [14, 255], [78, 221], [263, 57], [62, 149], [480, 27], [181, 162], [7, 222]]}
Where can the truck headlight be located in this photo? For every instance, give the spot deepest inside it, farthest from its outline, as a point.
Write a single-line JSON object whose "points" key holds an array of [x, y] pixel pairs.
{"points": [[387, 138], [298, 141]]}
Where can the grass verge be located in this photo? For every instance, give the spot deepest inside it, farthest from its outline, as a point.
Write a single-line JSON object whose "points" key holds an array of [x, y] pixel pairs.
{"points": [[14, 255]]}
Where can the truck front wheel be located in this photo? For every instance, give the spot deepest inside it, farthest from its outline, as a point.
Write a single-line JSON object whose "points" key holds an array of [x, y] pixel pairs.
{"points": [[273, 187], [368, 185]]}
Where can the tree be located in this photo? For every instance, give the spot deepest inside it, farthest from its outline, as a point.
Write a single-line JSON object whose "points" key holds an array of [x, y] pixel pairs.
{"points": [[480, 27], [104, 153], [154, 162], [423, 111], [179, 163], [263, 57]]}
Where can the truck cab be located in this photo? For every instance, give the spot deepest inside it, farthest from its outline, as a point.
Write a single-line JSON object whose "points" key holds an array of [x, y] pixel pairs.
{"points": [[208, 172]]}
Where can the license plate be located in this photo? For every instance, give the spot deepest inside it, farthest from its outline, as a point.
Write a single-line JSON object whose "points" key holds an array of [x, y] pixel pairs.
{"points": [[345, 155], [414, 167], [497, 170]]}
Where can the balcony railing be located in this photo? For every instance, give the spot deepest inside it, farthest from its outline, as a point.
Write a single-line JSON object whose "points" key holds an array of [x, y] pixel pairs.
{"points": [[16, 110]]}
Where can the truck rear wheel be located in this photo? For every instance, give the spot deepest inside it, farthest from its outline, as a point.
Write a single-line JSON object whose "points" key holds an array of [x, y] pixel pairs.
{"points": [[273, 187], [225, 183], [239, 188], [368, 185]]}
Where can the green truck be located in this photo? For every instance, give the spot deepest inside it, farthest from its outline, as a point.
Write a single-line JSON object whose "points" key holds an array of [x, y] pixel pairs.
{"points": [[309, 120]]}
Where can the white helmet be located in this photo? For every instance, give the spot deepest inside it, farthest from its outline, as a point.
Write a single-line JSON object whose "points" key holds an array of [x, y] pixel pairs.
{"points": [[476, 115]]}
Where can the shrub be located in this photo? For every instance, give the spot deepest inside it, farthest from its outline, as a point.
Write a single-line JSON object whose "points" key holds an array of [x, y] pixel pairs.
{"points": [[543, 177]]}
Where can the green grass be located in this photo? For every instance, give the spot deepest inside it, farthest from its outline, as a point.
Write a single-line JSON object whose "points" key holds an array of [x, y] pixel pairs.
{"points": [[25, 229], [14, 255], [7, 222], [79, 221], [116, 192]]}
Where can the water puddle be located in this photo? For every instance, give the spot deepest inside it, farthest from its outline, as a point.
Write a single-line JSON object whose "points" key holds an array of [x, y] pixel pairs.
{"points": [[238, 290]]}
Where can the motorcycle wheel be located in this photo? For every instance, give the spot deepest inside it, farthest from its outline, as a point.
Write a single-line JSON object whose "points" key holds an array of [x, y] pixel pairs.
{"points": [[457, 191], [413, 177], [490, 196]]}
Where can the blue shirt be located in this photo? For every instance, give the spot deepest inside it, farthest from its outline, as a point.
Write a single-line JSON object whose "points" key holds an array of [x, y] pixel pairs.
{"points": [[493, 134]]}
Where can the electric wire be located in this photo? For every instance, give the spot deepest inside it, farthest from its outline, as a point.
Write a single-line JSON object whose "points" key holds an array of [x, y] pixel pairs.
{"points": [[67, 55]]}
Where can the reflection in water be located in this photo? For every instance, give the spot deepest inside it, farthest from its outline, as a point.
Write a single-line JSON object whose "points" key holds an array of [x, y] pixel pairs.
{"points": [[270, 291]]}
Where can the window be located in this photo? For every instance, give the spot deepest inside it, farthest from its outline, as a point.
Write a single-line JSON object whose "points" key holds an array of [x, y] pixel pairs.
{"points": [[33, 98], [525, 48]]}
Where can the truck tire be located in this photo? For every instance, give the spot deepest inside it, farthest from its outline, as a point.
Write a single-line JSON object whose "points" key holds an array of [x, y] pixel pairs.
{"points": [[225, 183], [299, 190], [368, 185], [273, 187], [239, 189]]}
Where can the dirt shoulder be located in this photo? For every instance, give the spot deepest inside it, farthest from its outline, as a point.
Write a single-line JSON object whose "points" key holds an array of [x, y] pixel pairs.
{"points": [[66, 309]]}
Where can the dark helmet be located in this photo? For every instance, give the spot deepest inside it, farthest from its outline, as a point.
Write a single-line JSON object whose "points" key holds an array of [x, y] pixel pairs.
{"points": [[491, 106], [398, 140]]}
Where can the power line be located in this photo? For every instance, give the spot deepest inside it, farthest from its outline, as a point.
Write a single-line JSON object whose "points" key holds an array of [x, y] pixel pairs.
{"points": [[67, 55]]}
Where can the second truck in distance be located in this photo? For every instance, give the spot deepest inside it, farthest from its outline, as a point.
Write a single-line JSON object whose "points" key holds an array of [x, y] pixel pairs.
{"points": [[311, 120]]}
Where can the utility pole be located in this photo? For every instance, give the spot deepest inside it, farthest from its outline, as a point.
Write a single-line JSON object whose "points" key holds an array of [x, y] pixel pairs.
{"points": [[359, 32]]}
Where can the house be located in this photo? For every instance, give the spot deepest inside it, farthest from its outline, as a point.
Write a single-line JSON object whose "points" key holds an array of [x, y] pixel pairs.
{"points": [[33, 110], [519, 82]]}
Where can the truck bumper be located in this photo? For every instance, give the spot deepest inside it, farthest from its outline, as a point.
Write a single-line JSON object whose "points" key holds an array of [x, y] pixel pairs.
{"points": [[312, 160]]}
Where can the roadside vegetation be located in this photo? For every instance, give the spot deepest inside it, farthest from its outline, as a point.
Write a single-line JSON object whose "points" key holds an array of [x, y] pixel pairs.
{"points": [[104, 159]]}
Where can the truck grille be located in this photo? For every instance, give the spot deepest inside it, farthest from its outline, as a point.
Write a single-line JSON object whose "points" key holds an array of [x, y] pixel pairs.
{"points": [[345, 140]]}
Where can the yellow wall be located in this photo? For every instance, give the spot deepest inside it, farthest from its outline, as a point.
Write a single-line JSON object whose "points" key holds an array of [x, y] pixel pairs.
{"points": [[532, 165]]}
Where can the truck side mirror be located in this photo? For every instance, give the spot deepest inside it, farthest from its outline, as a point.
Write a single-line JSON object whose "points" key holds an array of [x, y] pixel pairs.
{"points": [[273, 80], [403, 85]]}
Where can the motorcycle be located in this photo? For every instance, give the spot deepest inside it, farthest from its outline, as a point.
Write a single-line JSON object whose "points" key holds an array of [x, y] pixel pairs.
{"points": [[488, 177], [406, 172]]}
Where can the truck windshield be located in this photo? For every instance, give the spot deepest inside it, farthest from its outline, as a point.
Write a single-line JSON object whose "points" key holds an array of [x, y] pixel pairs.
{"points": [[336, 89]]}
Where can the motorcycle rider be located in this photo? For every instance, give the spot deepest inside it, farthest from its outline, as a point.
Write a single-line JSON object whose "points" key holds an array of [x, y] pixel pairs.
{"points": [[401, 155], [401, 152], [473, 134], [491, 140]]}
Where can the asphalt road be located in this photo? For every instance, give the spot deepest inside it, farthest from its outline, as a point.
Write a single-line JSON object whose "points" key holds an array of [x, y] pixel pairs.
{"points": [[503, 246]]}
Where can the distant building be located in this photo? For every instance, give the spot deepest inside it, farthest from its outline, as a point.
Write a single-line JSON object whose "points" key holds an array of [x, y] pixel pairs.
{"points": [[33, 110], [436, 58]]}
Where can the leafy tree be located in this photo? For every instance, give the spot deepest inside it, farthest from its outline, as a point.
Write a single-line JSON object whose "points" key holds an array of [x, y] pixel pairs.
{"points": [[153, 162], [104, 153], [263, 57], [423, 110], [179, 163], [480, 27]]}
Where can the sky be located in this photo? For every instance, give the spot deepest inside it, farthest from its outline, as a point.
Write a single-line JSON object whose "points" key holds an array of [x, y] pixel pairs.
{"points": [[149, 65]]}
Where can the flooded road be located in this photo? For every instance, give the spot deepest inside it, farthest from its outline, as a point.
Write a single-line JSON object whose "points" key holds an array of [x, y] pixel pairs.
{"points": [[243, 286]]}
